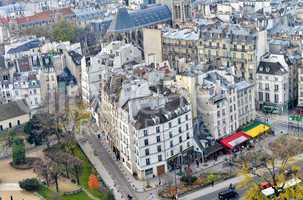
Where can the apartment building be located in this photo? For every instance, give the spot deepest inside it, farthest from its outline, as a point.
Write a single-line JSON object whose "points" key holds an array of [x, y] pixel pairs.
{"points": [[177, 44], [224, 103], [95, 68], [148, 126], [277, 79], [233, 45], [28, 88], [300, 87]]}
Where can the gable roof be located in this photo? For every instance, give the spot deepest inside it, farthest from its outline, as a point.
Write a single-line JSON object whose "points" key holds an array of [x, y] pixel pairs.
{"points": [[13, 109], [125, 21]]}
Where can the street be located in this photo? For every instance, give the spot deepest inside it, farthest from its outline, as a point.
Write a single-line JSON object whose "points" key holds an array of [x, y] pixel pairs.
{"points": [[121, 181], [214, 195]]}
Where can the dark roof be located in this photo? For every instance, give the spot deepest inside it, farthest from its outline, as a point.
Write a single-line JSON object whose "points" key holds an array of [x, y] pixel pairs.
{"points": [[67, 77], [273, 68], [13, 109], [125, 21], [213, 149], [35, 43], [76, 57], [150, 117]]}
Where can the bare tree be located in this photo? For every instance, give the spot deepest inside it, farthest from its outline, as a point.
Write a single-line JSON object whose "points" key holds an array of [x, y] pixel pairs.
{"points": [[41, 168], [275, 159]]}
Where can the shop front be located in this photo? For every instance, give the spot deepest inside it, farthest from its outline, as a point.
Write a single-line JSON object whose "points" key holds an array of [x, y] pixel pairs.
{"points": [[235, 142]]}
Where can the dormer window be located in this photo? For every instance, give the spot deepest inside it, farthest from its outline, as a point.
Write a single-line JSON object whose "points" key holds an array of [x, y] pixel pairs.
{"points": [[267, 69]]}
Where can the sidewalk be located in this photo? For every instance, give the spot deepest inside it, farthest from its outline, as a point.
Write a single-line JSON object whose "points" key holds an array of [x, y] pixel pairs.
{"points": [[100, 168], [137, 185], [210, 189]]}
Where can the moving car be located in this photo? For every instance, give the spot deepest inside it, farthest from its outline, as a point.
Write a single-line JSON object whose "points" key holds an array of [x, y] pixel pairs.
{"points": [[230, 193]]}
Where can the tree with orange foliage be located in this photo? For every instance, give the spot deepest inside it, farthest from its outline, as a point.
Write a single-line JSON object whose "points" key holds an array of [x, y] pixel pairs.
{"points": [[93, 182]]}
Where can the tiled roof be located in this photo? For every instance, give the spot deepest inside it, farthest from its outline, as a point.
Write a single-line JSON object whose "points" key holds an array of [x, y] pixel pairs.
{"points": [[45, 16]]}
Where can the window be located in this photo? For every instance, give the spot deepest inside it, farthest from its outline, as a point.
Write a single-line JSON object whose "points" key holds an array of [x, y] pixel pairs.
{"points": [[218, 113], [10, 125], [18, 122], [158, 138], [276, 87], [186, 117], [147, 161], [179, 120], [187, 135], [145, 133], [148, 171], [146, 142], [180, 139], [187, 127], [159, 148], [171, 144], [188, 144], [1, 128], [172, 152], [260, 96], [170, 134], [169, 124], [181, 148], [267, 97], [276, 98], [146, 152], [159, 158], [158, 129], [180, 130], [267, 86]]}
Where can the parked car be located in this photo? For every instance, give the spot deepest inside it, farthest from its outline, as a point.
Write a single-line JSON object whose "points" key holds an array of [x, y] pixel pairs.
{"points": [[289, 172], [230, 193], [264, 185]]}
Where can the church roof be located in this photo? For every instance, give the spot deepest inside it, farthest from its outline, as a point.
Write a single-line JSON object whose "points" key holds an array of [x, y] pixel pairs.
{"points": [[127, 21]]}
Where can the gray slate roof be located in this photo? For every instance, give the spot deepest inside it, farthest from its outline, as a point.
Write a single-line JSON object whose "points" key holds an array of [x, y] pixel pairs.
{"points": [[273, 68], [13, 109], [125, 21]]}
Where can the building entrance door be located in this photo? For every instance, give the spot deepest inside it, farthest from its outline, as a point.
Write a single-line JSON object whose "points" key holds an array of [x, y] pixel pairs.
{"points": [[160, 170]]}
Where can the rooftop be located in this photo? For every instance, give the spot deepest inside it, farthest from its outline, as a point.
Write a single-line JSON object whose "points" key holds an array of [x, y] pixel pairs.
{"points": [[175, 106], [126, 21], [272, 68], [13, 109], [185, 34], [24, 46]]}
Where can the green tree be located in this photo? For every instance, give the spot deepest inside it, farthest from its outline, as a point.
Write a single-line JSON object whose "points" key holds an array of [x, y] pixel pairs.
{"points": [[18, 150], [64, 31]]}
